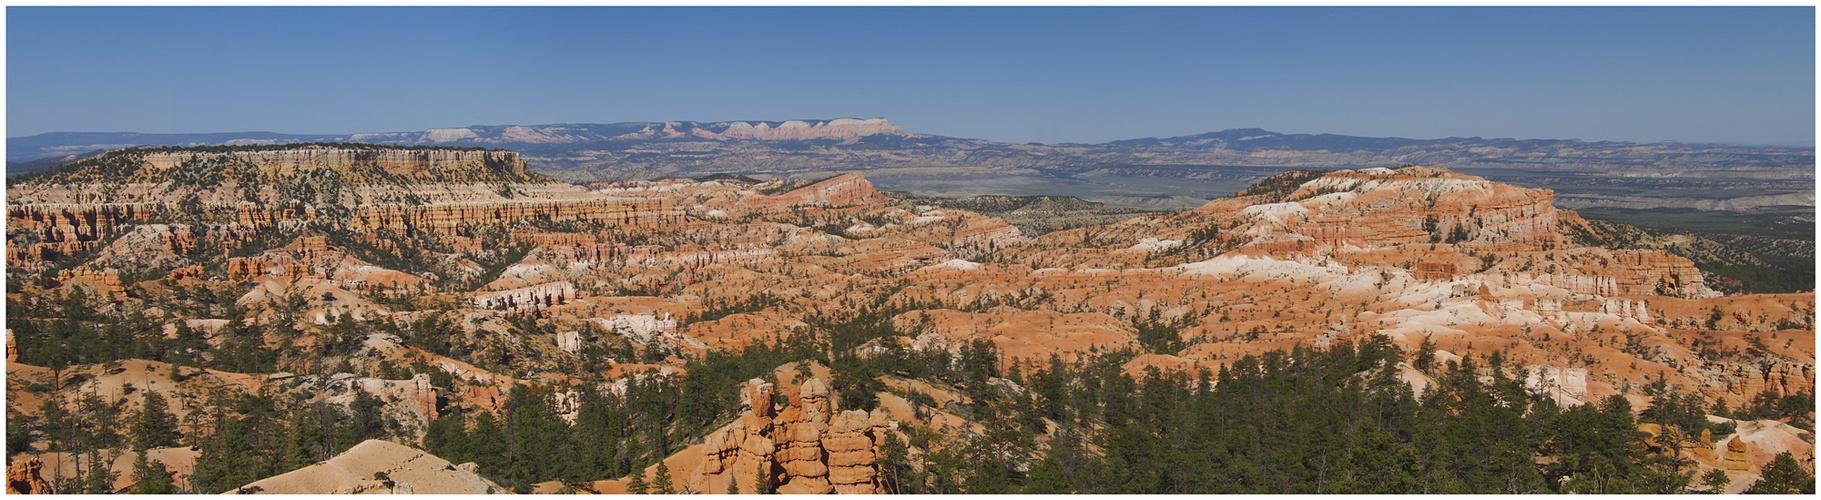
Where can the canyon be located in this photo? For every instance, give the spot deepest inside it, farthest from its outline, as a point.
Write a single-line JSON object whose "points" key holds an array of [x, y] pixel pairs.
{"points": [[435, 285]]}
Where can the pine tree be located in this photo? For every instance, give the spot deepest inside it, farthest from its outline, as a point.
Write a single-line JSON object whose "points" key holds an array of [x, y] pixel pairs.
{"points": [[1784, 476], [154, 426], [1048, 478], [19, 437], [151, 477], [100, 479], [663, 479], [488, 444], [1716, 480], [1425, 355], [637, 485], [55, 423], [988, 477], [761, 480], [447, 437]]}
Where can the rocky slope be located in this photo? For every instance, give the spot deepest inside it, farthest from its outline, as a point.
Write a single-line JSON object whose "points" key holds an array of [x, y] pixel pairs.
{"points": [[238, 193], [376, 467]]}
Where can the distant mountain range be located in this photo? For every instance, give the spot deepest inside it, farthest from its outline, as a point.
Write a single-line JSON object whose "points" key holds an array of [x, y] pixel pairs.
{"points": [[23, 149], [873, 132], [1604, 173]]}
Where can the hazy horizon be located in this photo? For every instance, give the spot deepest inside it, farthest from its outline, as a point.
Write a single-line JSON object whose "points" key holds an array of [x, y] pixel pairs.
{"points": [[1186, 133], [1050, 75]]}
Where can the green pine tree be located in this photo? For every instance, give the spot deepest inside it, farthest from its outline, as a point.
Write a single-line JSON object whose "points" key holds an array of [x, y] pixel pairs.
{"points": [[488, 444], [1425, 355], [1716, 479], [1784, 476], [664, 480], [151, 477], [154, 426], [55, 423], [637, 485], [100, 479], [761, 480], [1048, 478], [19, 437]]}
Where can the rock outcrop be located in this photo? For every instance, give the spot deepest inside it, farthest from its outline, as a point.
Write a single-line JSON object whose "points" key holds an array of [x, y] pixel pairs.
{"points": [[22, 477], [840, 191], [450, 218], [406, 163], [528, 300], [367, 189], [799, 430], [850, 443], [805, 448]]}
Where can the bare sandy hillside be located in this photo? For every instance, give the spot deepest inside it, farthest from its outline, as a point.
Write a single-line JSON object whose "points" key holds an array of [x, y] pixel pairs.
{"points": [[377, 467]]}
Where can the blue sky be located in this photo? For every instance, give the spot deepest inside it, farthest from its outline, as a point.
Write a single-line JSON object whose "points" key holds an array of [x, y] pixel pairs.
{"points": [[1744, 75]]}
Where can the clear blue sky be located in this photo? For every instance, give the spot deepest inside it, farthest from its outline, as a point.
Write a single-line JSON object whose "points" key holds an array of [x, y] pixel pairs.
{"points": [[1744, 75]]}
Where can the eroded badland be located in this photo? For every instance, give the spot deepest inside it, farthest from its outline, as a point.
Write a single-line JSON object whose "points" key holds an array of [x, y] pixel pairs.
{"points": [[288, 303]]}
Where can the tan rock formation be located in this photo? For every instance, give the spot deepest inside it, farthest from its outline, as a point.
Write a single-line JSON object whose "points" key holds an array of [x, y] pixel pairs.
{"points": [[851, 455], [683, 267], [186, 273], [407, 163], [798, 430], [450, 218], [96, 283], [1732, 454], [842, 190], [806, 448], [528, 300], [22, 477], [424, 397]]}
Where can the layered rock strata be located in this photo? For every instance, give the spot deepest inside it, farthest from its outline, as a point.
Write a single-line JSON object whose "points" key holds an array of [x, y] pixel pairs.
{"points": [[805, 448], [528, 300], [395, 161]]}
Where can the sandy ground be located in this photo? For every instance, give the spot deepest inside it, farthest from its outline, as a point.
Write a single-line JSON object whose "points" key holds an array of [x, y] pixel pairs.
{"points": [[360, 469]]}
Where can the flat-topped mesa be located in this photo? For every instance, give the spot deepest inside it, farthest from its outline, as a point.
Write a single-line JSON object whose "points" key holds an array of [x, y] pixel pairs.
{"points": [[1381, 207], [1392, 212], [1424, 204], [356, 163], [396, 161], [366, 187], [840, 128]]}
